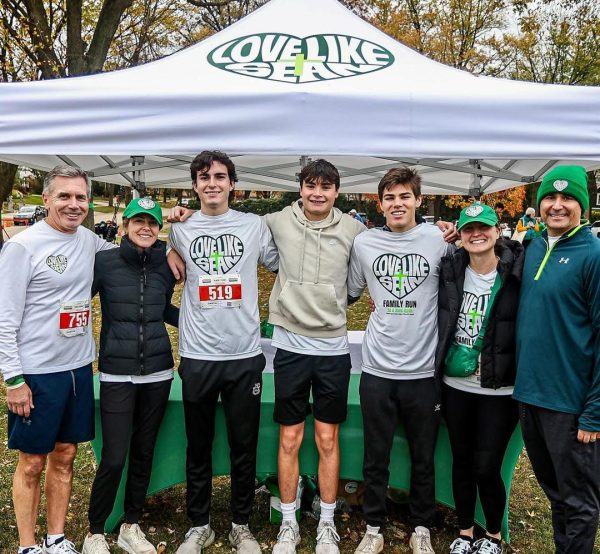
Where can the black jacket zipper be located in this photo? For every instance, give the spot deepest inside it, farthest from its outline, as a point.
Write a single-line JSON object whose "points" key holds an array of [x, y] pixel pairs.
{"points": [[141, 314]]}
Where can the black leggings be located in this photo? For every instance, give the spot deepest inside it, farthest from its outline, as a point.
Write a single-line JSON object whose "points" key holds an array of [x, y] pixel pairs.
{"points": [[131, 416], [479, 427]]}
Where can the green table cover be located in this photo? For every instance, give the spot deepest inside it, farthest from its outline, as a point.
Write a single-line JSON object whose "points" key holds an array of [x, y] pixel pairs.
{"points": [[169, 458]]}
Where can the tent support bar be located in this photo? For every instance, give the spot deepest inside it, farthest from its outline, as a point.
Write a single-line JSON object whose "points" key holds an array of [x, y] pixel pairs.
{"points": [[68, 161], [543, 170], [112, 164], [475, 186]]}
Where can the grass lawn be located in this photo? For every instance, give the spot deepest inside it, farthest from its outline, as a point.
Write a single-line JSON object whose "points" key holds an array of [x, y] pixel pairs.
{"points": [[165, 520]]}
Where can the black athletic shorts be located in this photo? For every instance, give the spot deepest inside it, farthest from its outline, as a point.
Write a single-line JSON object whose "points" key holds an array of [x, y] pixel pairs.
{"points": [[296, 374]]}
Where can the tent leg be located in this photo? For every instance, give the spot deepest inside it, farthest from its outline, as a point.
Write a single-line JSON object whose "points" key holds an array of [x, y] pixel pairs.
{"points": [[475, 186], [139, 177]]}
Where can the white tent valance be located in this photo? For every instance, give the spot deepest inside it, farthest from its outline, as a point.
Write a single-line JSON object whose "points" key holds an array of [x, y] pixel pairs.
{"points": [[297, 80]]}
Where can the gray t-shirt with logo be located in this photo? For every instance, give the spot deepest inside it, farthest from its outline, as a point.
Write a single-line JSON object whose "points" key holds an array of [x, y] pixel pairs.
{"points": [[219, 309], [401, 271]]}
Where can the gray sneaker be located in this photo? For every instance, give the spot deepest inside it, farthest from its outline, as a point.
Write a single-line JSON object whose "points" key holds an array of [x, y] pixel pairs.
{"points": [[486, 546], [372, 543], [242, 539], [327, 538], [132, 540], [95, 544], [196, 539], [420, 541], [287, 538]]}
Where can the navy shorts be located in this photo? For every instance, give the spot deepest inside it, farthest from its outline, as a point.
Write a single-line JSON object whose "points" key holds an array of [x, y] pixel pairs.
{"points": [[63, 412], [297, 374]]}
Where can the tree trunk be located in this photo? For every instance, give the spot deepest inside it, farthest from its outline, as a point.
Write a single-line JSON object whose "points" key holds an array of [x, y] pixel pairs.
{"points": [[88, 222], [111, 195], [437, 207], [8, 172], [593, 191]]}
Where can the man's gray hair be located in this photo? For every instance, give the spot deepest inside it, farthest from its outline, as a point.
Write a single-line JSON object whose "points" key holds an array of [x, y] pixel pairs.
{"points": [[66, 171]]}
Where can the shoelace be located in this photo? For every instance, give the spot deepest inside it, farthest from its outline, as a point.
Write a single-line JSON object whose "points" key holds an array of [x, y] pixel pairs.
{"points": [[460, 546], [328, 535], [487, 547], [242, 533], [286, 534], [65, 547], [201, 535], [371, 545]]}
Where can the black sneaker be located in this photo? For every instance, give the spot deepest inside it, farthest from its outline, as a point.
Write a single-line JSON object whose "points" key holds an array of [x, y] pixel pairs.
{"points": [[461, 546], [486, 546]]}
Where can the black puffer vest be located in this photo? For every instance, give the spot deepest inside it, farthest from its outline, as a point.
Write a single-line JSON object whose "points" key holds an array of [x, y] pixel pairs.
{"points": [[135, 293], [498, 366]]}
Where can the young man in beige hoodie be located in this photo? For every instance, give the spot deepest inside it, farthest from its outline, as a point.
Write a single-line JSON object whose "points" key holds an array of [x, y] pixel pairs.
{"points": [[308, 309]]}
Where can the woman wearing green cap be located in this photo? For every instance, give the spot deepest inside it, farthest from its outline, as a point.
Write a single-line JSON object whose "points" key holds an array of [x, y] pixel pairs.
{"points": [[478, 297], [136, 369]]}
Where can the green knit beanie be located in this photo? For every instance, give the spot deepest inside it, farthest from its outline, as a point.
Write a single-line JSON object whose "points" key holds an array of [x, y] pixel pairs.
{"points": [[570, 180]]}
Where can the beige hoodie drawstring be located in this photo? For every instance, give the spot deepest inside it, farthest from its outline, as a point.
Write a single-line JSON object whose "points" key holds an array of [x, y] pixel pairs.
{"points": [[318, 256], [301, 267]]}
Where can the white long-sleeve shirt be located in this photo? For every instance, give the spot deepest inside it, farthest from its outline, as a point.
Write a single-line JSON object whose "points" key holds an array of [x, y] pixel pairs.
{"points": [[45, 292]]}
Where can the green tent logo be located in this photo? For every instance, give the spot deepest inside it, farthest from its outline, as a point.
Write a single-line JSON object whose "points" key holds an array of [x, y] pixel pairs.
{"points": [[290, 59]]}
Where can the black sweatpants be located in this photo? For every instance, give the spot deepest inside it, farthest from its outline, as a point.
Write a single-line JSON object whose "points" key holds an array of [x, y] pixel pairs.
{"points": [[479, 427], [569, 473], [131, 416], [384, 403], [239, 383]]}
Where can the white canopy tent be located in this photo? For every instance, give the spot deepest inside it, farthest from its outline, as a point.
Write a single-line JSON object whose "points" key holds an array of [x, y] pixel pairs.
{"points": [[300, 79]]}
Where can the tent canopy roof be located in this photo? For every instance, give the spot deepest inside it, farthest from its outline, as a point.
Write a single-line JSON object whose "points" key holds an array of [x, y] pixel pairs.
{"points": [[297, 80]]}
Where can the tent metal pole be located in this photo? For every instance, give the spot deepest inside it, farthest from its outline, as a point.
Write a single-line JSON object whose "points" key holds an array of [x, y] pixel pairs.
{"points": [[475, 185], [139, 176]]}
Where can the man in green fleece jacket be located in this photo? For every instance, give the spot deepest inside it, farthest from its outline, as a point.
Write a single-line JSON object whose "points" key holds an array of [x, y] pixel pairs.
{"points": [[558, 361]]}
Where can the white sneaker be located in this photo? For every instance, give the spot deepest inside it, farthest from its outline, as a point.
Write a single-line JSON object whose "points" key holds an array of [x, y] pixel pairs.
{"points": [[460, 546], [372, 543], [327, 538], [420, 541], [63, 546], [36, 549], [242, 539], [196, 539], [287, 538], [95, 544], [132, 540], [486, 546]]}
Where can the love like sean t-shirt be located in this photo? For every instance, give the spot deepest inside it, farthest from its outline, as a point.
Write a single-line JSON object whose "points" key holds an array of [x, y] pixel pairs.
{"points": [[401, 271], [219, 319], [476, 296]]}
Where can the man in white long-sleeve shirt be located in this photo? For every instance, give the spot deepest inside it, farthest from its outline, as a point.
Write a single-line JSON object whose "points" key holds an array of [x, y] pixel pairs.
{"points": [[46, 351]]}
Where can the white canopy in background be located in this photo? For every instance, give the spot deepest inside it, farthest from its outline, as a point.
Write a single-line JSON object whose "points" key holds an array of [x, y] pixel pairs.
{"points": [[298, 79]]}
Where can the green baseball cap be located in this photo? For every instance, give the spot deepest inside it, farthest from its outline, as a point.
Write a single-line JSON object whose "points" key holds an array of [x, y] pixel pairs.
{"points": [[479, 213], [144, 206]]}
